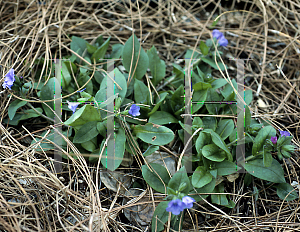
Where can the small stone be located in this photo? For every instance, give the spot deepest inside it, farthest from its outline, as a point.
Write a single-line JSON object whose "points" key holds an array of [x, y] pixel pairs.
{"points": [[164, 159]]}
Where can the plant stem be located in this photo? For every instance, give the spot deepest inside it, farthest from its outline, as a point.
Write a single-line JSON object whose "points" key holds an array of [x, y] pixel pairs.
{"points": [[42, 115]]}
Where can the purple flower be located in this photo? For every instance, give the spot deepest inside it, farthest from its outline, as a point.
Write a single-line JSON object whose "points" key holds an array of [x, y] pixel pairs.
{"points": [[134, 110], [188, 202], [274, 139], [220, 36], [284, 133], [72, 106], [175, 206], [9, 79]]}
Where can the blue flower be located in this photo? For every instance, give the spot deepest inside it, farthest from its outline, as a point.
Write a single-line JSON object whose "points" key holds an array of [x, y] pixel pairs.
{"points": [[284, 133], [223, 41], [220, 37], [175, 206], [188, 202], [274, 139], [72, 106], [9, 79], [81, 90], [217, 34], [134, 110]]}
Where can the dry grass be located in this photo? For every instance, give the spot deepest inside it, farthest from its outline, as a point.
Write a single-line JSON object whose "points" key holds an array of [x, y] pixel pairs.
{"points": [[266, 32]]}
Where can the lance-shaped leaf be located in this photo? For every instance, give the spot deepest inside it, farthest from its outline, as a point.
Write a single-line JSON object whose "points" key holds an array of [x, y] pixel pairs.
{"points": [[156, 65], [135, 59], [273, 173], [259, 141]]}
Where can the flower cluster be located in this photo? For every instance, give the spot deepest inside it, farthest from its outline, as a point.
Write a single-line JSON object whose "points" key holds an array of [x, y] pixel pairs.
{"points": [[282, 133], [9, 79], [176, 206], [220, 37]]}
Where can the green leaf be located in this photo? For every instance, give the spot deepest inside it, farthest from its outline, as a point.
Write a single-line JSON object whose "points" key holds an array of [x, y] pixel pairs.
{"points": [[47, 93], [199, 97], [204, 48], [99, 41], [265, 133], [156, 65], [113, 161], [177, 101], [188, 55], [99, 77], [202, 140], [226, 167], [158, 178], [100, 53], [14, 106], [225, 128], [197, 122], [117, 50], [83, 79], [248, 96], [141, 93], [179, 178], [205, 189], [201, 86], [247, 179], [218, 83], [212, 152], [201, 177], [209, 123], [283, 140], [160, 217], [214, 23], [159, 101], [30, 113], [247, 117], [135, 59], [220, 143], [273, 173], [66, 76], [231, 204], [228, 90], [286, 191], [119, 79], [86, 132], [85, 114], [212, 63], [218, 198], [162, 117], [90, 48], [151, 149], [154, 134], [267, 158], [178, 71], [78, 45], [213, 96], [101, 128], [186, 127], [90, 145]]}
